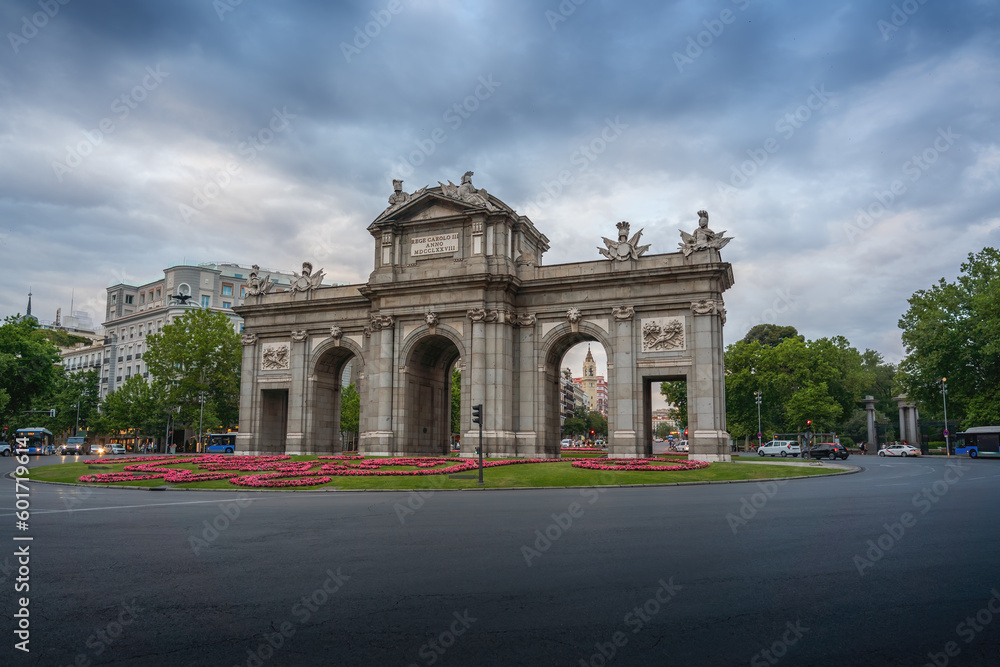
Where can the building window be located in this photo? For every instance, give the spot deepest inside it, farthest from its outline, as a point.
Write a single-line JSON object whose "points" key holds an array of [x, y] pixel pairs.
{"points": [[114, 298], [142, 297], [128, 298], [204, 301], [157, 293], [227, 290], [227, 304], [243, 291]]}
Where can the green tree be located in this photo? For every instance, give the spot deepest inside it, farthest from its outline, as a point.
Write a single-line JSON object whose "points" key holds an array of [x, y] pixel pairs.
{"points": [[676, 395], [198, 352], [350, 409], [771, 335], [69, 390], [134, 408], [27, 369], [952, 330]]}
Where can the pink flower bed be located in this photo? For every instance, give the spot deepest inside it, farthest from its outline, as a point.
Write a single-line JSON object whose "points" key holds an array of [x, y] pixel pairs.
{"points": [[278, 471], [639, 464]]}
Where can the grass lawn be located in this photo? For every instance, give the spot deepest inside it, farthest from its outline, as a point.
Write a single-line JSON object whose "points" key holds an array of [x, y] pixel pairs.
{"points": [[523, 475]]}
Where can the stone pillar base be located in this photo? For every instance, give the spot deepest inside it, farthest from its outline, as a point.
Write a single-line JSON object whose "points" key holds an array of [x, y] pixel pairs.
{"points": [[375, 443], [624, 445], [705, 445], [711, 458]]}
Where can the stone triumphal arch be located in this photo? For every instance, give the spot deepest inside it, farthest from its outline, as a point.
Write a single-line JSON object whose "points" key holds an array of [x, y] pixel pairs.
{"points": [[459, 279]]}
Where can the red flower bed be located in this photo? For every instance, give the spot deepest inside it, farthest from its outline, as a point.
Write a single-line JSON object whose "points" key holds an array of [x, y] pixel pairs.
{"points": [[278, 471], [279, 479], [117, 477], [639, 464]]}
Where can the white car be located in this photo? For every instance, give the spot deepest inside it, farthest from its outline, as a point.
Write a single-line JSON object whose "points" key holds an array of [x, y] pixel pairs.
{"points": [[783, 448], [899, 450], [114, 449], [681, 446]]}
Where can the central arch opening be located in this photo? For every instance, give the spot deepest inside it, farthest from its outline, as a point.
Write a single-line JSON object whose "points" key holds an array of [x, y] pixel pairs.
{"points": [[577, 394], [333, 424], [427, 410]]}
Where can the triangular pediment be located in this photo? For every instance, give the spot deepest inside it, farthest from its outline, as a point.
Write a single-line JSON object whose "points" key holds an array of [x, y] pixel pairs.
{"points": [[432, 203]]}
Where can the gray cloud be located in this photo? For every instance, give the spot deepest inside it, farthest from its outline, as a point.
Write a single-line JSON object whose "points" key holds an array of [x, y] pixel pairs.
{"points": [[363, 105]]}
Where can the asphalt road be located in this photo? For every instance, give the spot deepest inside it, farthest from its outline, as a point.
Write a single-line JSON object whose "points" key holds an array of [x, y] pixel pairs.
{"points": [[896, 565]]}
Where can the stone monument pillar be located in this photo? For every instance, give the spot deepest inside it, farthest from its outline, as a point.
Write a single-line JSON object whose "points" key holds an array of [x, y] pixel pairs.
{"points": [[908, 416], [871, 442]]}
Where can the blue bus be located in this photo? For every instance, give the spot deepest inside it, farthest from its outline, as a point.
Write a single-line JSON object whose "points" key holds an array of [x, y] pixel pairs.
{"points": [[979, 441], [224, 443], [34, 440]]}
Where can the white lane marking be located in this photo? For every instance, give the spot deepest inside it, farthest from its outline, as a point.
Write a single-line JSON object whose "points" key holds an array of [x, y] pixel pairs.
{"points": [[125, 507]]}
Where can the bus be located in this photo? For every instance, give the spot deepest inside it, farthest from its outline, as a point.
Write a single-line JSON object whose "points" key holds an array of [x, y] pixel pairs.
{"points": [[34, 440], [221, 442], [979, 441]]}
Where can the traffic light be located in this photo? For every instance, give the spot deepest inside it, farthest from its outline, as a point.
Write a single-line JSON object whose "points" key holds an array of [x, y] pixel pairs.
{"points": [[477, 414], [685, 433], [809, 423], [52, 412]]}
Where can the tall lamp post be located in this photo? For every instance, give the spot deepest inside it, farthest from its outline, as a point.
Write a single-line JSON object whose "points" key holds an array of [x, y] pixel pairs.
{"points": [[201, 418], [944, 400], [758, 395]]}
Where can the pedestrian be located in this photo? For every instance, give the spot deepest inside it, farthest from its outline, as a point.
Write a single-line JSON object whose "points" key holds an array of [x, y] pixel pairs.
{"points": [[863, 450]]}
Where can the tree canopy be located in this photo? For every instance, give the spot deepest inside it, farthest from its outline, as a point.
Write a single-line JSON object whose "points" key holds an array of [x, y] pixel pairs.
{"points": [[823, 380], [27, 368], [952, 330], [198, 352]]}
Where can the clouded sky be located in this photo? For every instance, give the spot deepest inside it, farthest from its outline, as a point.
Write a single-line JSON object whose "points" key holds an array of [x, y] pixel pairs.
{"points": [[850, 148]]}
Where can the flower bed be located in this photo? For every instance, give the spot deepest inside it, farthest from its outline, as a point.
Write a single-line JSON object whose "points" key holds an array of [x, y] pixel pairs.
{"points": [[640, 464], [279, 471]]}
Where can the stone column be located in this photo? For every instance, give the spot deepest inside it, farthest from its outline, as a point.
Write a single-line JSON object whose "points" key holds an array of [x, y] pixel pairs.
{"points": [[870, 409], [709, 440], [908, 420], [379, 373], [477, 387], [624, 392], [527, 425], [246, 442], [295, 436]]}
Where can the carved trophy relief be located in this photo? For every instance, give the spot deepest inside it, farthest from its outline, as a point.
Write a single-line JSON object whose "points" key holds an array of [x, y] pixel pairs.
{"points": [[275, 357], [299, 335], [248, 338], [663, 334]]}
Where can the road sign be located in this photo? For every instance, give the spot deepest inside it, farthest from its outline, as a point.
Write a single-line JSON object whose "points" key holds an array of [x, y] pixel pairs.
{"points": [[758, 435], [946, 432], [809, 435]]}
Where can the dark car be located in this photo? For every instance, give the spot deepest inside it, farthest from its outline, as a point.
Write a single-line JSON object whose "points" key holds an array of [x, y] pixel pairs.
{"points": [[74, 445], [829, 450]]}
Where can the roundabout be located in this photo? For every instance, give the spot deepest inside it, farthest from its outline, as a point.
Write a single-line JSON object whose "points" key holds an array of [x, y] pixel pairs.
{"points": [[353, 472]]}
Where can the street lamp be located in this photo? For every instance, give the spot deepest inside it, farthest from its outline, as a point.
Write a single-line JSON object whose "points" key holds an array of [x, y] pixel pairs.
{"points": [[758, 395], [78, 415], [944, 400], [201, 399]]}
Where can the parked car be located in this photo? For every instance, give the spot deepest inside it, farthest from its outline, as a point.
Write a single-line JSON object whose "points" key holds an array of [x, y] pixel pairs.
{"points": [[899, 450], [829, 450], [114, 449], [781, 448], [74, 445], [6, 449], [97, 450]]}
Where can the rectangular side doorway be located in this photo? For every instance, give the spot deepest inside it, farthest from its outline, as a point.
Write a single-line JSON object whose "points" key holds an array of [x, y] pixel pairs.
{"points": [[273, 420]]}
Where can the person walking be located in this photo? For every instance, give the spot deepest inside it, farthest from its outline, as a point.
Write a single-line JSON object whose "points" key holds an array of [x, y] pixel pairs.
{"points": [[863, 449]]}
